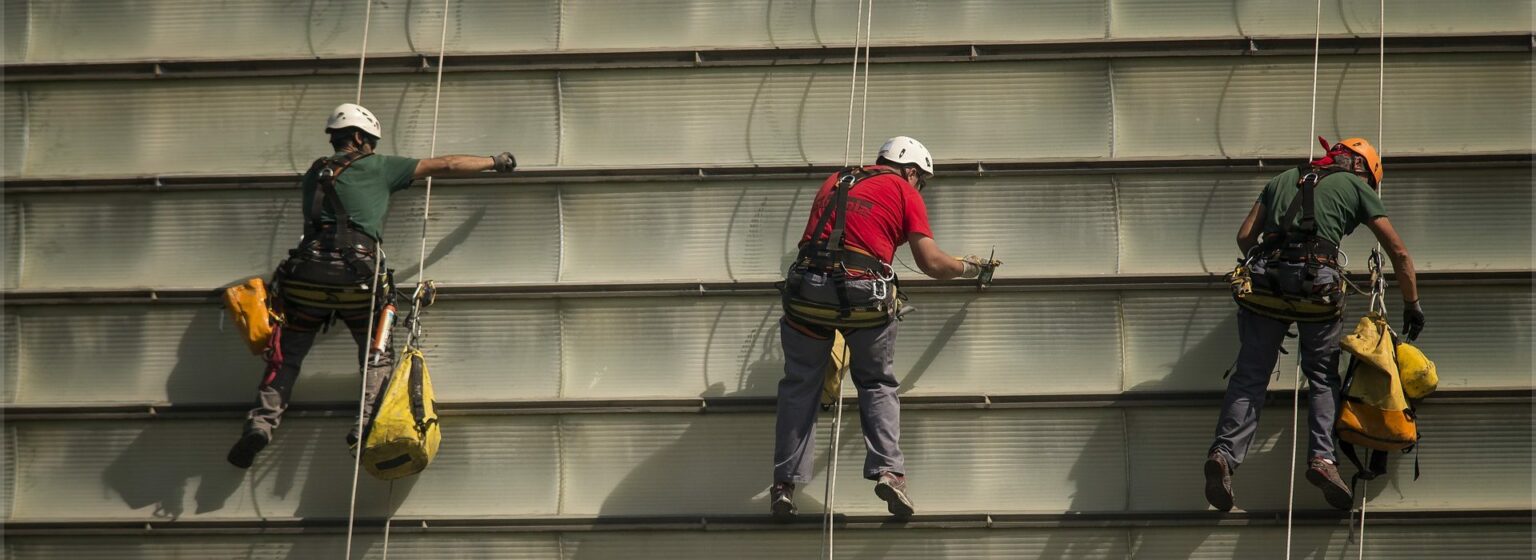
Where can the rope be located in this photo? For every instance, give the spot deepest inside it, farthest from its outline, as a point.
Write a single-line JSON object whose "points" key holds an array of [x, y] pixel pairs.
{"points": [[828, 529], [1290, 503], [1380, 288], [362, 58], [853, 81], [373, 294]]}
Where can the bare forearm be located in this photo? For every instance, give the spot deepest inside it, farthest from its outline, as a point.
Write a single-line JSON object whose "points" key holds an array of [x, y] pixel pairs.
{"points": [[1407, 277], [456, 165]]}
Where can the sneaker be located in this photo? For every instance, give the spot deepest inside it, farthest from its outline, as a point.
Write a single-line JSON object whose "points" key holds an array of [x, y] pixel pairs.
{"points": [[1323, 474], [243, 454], [892, 488], [780, 502], [1218, 482]]}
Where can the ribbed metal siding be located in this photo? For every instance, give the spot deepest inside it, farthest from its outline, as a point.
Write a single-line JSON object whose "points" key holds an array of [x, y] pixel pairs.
{"points": [[995, 461], [175, 29], [1002, 344], [1190, 107], [1163, 543], [746, 230]]}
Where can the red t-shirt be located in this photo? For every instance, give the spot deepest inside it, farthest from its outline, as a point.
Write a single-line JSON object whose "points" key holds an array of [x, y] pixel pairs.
{"points": [[883, 210]]}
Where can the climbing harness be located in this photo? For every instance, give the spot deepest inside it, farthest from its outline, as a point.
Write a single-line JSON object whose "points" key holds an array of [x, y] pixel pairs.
{"points": [[1297, 244], [824, 262]]}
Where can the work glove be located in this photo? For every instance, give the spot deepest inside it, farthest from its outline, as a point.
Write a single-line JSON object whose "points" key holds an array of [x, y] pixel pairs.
{"points": [[505, 163], [1413, 320], [975, 266]]}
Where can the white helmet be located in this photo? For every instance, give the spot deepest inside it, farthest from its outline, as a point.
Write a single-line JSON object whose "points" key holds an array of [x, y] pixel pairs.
{"points": [[903, 149], [353, 115]]}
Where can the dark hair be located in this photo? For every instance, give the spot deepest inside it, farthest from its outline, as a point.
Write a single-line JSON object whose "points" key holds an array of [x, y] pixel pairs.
{"points": [[341, 138]]}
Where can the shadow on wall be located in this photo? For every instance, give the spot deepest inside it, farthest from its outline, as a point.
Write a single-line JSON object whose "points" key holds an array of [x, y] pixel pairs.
{"points": [[148, 472]]}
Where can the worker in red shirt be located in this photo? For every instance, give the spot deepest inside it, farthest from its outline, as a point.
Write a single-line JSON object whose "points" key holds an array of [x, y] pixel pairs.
{"points": [[842, 281]]}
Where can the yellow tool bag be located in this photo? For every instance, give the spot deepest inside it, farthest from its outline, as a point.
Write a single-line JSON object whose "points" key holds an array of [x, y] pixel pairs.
{"points": [[248, 307], [1375, 413], [403, 436], [832, 381]]}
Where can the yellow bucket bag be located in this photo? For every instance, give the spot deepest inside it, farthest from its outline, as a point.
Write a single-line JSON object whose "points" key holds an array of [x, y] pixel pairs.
{"points": [[404, 434], [248, 307], [1375, 413], [1418, 373]]}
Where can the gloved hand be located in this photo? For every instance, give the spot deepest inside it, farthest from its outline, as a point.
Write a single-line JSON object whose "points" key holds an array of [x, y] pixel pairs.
{"points": [[1413, 320], [975, 266], [505, 163]]}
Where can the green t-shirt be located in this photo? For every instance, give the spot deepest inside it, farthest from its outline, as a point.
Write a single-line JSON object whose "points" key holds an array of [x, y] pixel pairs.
{"points": [[1341, 202], [364, 189]]}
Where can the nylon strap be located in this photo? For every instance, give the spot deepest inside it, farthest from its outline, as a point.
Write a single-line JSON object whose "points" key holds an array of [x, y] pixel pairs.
{"points": [[327, 171]]}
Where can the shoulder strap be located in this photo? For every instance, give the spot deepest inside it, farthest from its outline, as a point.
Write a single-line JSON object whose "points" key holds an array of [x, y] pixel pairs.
{"points": [[847, 179], [329, 170]]}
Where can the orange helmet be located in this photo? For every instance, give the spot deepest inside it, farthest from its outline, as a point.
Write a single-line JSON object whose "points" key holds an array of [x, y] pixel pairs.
{"points": [[1364, 149]]}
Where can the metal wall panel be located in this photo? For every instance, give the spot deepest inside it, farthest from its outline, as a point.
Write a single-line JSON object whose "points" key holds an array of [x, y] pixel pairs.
{"points": [[1450, 219], [1013, 343], [8, 469], [10, 244], [190, 29], [1260, 106], [187, 354], [175, 469], [274, 124], [1479, 338], [10, 363], [367, 545], [1040, 461], [1003, 343], [780, 115], [1168, 445], [187, 29], [13, 146], [796, 114], [1503, 542], [718, 230], [1262, 18], [593, 24], [864, 545]]}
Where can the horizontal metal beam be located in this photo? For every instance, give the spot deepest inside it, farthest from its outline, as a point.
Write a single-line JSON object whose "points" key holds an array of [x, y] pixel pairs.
{"points": [[450, 291], [814, 171], [708, 405], [1001, 521], [416, 63]]}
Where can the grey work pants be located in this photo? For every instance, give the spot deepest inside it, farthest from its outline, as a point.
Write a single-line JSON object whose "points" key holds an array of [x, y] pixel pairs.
{"points": [[295, 340], [871, 358], [1261, 337]]}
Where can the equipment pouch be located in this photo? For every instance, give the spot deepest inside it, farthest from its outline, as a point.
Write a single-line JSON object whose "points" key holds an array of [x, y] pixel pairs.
{"points": [[403, 436], [247, 304]]}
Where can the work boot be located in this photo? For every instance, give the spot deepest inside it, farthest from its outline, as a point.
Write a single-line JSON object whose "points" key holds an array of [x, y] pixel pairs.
{"points": [[1322, 474], [892, 488], [781, 503], [1218, 482], [244, 451]]}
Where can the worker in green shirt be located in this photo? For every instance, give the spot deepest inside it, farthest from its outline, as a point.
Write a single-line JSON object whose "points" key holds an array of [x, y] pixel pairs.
{"points": [[1292, 235], [337, 270]]}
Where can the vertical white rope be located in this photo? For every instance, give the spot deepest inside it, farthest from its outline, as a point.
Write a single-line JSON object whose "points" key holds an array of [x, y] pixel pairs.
{"points": [[1290, 501], [853, 82], [362, 57], [437, 99], [830, 492], [1380, 287], [869, 23], [388, 519]]}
